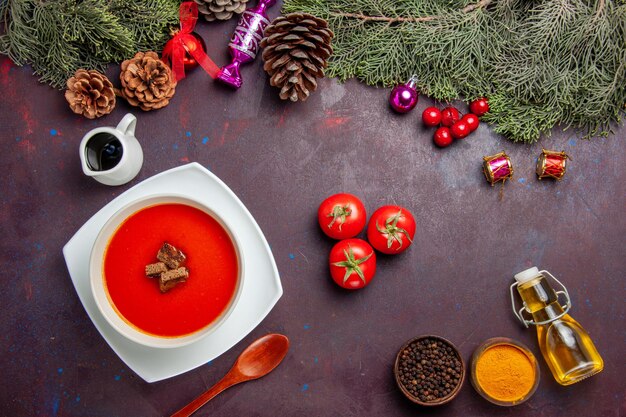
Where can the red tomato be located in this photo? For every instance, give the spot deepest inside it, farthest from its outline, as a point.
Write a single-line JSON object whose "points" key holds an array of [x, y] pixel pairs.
{"points": [[460, 130], [341, 216], [479, 106], [431, 117], [352, 263], [442, 137], [472, 121], [449, 116], [391, 229]]}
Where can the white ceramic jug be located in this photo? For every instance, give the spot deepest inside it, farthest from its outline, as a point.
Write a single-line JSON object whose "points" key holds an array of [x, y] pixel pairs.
{"points": [[112, 156]]}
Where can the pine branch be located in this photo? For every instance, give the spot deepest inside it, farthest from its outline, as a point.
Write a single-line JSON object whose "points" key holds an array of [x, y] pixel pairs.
{"points": [[399, 19], [385, 19], [57, 37], [542, 63]]}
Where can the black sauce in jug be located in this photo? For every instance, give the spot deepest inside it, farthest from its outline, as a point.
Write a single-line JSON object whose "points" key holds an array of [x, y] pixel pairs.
{"points": [[103, 152]]}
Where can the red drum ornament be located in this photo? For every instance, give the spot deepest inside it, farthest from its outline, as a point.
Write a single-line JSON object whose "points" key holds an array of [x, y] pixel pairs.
{"points": [[497, 167], [551, 164]]}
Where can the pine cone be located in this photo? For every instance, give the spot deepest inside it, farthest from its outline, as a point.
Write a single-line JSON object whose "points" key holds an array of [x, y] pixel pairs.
{"points": [[147, 81], [220, 9], [297, 47], [90, 93]]}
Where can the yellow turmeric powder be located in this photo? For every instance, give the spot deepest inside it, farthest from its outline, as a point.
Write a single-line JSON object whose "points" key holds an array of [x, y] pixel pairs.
{"points": [[505, 373]]}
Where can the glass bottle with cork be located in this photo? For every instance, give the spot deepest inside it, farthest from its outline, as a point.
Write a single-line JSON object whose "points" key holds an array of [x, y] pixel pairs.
{"points": [[565, 345]]}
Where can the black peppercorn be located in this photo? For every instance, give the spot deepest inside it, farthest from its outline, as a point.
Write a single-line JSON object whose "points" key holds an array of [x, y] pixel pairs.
{"points": [[429, 369]]}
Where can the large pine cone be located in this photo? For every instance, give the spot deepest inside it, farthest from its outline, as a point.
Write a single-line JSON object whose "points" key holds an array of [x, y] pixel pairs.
{"points": [[90, 93], [220, 9], [147, 81], [297, 47]]}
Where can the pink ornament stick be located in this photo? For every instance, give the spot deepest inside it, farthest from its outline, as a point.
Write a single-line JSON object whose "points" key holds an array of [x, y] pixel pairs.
{"points": [[244, 45]]}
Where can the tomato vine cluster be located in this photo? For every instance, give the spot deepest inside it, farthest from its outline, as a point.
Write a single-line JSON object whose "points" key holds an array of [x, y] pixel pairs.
{"points": [[352, 261], [451, 124]]}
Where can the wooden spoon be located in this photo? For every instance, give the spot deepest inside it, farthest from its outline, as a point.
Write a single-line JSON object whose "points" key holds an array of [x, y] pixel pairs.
{"points": [[258, 360]]}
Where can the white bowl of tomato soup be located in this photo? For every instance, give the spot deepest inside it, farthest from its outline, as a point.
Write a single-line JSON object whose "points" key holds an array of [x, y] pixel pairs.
{"points": [[133, 303]]}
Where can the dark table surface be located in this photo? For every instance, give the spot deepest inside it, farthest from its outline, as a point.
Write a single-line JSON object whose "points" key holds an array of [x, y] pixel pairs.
{"points": [[282, 160]]}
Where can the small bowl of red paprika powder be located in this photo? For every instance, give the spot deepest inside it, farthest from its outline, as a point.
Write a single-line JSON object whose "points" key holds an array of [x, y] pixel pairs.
{"points": [[504, 371]]}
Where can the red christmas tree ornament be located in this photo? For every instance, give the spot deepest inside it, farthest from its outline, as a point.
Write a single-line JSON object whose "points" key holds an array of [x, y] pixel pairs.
{"points": [[189, 61], [479, 106], [431, 117], [449, 116], [186, 49]]}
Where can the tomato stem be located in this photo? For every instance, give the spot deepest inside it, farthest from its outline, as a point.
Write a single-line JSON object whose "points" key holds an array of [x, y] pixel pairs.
{"points": [[339, 213], [393, 232], [352, 264]]}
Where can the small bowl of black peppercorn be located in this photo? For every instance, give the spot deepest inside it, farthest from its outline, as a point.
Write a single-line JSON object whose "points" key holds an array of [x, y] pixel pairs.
{"points": [[429, 370]]}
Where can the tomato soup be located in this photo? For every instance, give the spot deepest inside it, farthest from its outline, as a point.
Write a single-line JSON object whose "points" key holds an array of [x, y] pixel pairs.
{"points": [[188, 307]]}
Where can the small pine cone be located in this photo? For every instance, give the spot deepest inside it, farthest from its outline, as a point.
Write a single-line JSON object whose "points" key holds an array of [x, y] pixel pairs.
{"points": [[147, 82], [220, 9], [297, 47], [90, 93]]}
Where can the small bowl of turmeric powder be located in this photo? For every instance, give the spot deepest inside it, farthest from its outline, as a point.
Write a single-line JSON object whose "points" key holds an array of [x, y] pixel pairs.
{"points": [[504, 371]]}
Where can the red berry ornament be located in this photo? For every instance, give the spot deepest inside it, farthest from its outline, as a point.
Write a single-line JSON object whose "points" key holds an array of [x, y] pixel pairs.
{"points": [[442, 137], [460, 130], [449, 116], [431, 117], [472, 121], [479, 106]]}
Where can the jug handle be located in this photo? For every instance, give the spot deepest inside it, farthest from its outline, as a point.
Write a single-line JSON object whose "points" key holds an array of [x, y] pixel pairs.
{"points": [[127, 125]]}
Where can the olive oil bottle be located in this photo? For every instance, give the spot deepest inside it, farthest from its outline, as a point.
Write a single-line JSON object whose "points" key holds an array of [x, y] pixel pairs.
{"points": [[565, 345]]}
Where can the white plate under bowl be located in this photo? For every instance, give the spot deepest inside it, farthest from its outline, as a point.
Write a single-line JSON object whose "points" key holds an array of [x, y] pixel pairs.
{"points": [[98, 287], [259, 292]]}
